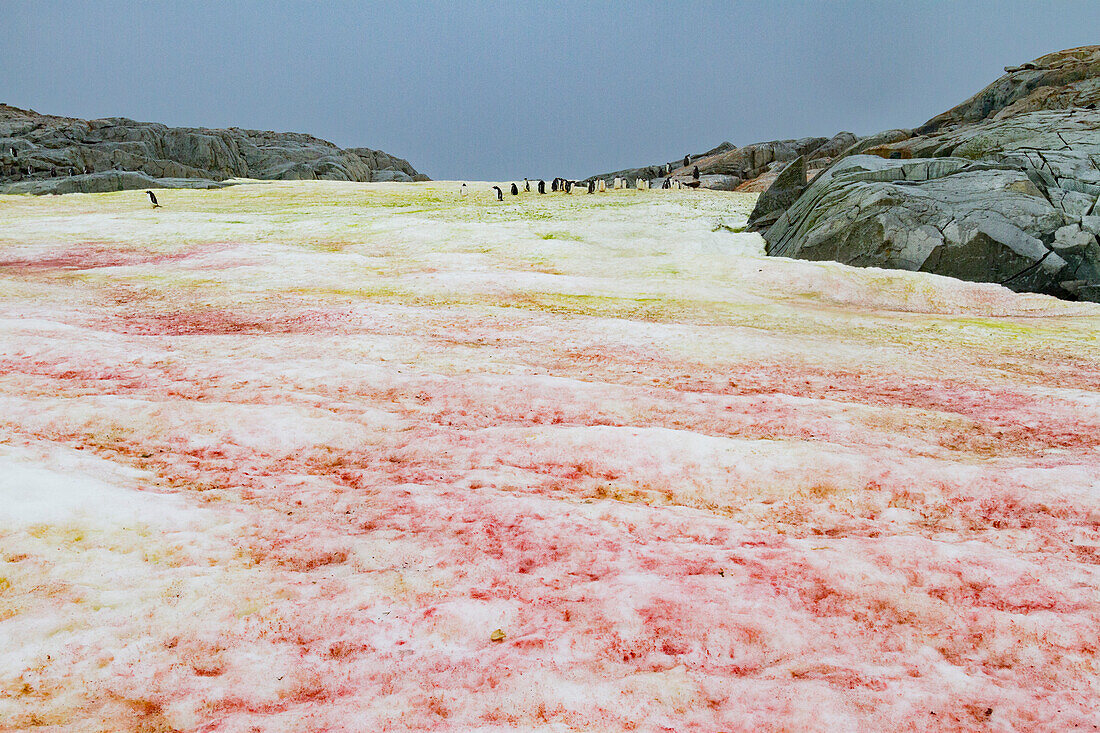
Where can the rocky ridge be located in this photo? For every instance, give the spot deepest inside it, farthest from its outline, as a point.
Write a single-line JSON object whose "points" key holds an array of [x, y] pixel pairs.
{"points": [[728, 167], [50, 154], [1002, 188]]}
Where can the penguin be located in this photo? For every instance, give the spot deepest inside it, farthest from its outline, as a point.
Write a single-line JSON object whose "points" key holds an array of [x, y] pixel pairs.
{"points": [[500, 194], [554, 185], [515, 190], [462, 191], [568, 186], [153, 199], [542, 186], [687, 160], [526, 186], [591, 187], [668, 169], [14, 153], [695, 173]]}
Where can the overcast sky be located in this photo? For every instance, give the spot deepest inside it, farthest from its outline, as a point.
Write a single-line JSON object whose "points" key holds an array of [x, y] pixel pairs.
{"points": [[512, 89]]}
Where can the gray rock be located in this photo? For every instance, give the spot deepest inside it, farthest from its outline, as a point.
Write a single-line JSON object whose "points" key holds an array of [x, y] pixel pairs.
{"points": [[1059, 80], [385, 176], [60, 147], [963, 219], [649, 172], [834, 146], [784, 191], [873, 141], [1003, 188], [714, 182], [104, 183], [745, 163]]}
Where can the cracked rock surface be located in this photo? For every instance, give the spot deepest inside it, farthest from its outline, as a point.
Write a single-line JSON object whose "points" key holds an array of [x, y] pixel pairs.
{"points": [[1000, 189]]}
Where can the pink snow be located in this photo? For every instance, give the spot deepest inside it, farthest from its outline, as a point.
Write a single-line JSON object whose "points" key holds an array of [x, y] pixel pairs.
{"points": [[237, 502]]}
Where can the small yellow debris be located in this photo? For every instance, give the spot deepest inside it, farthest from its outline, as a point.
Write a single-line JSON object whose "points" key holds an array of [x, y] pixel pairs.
{"points": [[497, 635]]}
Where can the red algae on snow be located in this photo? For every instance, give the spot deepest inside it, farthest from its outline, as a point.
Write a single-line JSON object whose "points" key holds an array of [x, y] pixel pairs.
{"points": [[228, 506]]}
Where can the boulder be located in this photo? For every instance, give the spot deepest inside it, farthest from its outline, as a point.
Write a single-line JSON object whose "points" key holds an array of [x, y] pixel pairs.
{"points": [[874, 141], [784, 191], [389, 176], [953, 216], [834, 146], [714, 182]]}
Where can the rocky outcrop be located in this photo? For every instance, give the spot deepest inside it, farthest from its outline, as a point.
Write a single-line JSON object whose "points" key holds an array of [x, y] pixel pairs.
{"points": [[727, 162], [106, 182], [951, 216], [875, 141], [1059, 80], [38, 151], [788, 186], [1002, 188], [649, 173]]}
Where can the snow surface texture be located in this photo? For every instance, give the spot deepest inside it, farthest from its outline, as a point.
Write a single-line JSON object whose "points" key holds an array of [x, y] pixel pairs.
{"points": [[283, 457]]}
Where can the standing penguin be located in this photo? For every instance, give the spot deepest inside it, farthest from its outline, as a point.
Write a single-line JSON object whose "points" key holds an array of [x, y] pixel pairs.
{"points": [[591, 187], [687, 160], [153, 199], [14, 153], [462, 191], [695, 173], [500, 194], [542, 186], [554, 185], [515, 190], [526, 185], [568, 186]]}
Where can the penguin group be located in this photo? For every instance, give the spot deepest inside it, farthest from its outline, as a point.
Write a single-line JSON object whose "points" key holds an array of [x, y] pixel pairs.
{"points": [[594, 185]]}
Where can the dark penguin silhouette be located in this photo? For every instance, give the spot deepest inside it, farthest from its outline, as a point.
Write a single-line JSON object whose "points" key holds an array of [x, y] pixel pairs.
{"points": [[542, 186], [526, 185], [554, 185], [568, 186], [515, 190], [500, 194], [695, 173], [153, 198], [14, 153], [591, 187], [687, 160]]}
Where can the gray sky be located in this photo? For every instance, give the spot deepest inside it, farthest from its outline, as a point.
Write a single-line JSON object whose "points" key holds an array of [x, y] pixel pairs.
{"points": [[512, 89]]}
